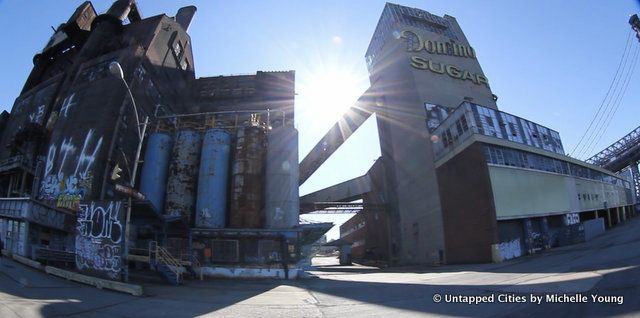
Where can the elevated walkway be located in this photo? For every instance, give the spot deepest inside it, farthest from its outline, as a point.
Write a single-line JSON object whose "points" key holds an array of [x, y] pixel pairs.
{"points": [[340, 193], [622, 154]]}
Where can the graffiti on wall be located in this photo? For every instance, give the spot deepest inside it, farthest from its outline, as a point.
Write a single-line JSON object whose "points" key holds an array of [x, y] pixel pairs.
{"points": [[571, 218], [99, 238], [67, 175], [511, 249], [67, 104], [37, 115]]}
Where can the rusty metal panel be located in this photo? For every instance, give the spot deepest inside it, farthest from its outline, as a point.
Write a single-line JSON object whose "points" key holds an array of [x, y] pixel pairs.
{"points": [[183, 174], [247, 184]]}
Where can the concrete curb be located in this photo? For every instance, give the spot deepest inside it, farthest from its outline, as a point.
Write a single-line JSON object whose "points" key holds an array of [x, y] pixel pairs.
{"points": [[135, 290], [28, 262]]}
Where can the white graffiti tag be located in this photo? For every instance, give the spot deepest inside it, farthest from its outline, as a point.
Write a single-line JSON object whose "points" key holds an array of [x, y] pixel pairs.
{"points": [[58, 183], [98, 222], [99, 238], [67, 103], [38, 115]]}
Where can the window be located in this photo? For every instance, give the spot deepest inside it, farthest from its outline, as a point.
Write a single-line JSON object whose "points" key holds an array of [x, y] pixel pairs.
{"points": [[465, 125], [184, 64], [459, 127], [177, 49], [512, 157]]}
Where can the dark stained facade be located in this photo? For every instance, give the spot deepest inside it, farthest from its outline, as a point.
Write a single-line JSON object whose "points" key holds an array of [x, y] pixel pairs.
{"points": [[469, 220], [74, 123], [368, 230]]}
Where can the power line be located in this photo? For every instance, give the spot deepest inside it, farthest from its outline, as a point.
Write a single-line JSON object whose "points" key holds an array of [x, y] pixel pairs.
{"points": [[619, 98], [608, 91], [619, 90]]}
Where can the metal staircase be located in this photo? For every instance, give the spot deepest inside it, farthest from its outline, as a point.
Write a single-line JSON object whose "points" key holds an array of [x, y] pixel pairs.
{"points": [[193, 266], [171, 268], [164, 263]]}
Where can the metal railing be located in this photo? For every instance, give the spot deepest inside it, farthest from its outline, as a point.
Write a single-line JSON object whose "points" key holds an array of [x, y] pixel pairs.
{"points": [[195, 265], [161, 255]]}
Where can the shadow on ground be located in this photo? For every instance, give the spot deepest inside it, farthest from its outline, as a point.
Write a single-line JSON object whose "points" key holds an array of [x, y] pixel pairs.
{"points": [[608, 265]]}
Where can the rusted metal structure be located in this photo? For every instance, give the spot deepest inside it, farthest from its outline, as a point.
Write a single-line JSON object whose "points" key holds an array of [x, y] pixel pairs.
{"points": [[183, 174], [247, 187]]}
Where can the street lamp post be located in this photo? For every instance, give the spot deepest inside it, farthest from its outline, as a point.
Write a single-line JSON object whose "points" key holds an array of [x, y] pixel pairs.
{"points": [[116, 70]]}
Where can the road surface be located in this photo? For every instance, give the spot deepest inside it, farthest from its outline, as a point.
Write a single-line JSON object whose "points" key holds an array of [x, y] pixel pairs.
{"points": [[593, 279]]}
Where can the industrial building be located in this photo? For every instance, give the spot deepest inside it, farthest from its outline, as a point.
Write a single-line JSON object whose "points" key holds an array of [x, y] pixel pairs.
{"points": [[458, 181], [115, 155]]}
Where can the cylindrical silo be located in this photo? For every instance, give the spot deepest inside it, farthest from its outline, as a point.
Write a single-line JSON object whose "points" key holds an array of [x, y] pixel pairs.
{"points": [[282, 202], [211, 204], [155, 168], [247, 186], [183, 174]]}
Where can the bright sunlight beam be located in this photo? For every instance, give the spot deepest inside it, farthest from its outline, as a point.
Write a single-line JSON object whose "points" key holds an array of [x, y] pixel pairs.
{"points": [[332, 92]]}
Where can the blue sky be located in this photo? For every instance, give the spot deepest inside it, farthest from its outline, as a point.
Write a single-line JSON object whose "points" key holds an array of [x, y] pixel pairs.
{"points": [[548, 61]]}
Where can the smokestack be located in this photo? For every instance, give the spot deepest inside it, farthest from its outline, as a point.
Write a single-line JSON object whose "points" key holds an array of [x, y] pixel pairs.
{"points": [[120, 9], [185, 15]]}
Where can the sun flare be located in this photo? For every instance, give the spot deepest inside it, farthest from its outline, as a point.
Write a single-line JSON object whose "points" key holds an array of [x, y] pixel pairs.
{"points": [[332, 92]]}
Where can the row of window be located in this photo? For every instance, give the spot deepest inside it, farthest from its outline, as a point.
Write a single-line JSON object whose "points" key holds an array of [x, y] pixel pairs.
{"points": [[588, 197], [506, 126], [489, 122], [517, 158], [461, 126]]}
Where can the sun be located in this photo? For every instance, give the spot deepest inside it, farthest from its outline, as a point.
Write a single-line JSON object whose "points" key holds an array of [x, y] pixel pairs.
{"points": [[329, 93]]}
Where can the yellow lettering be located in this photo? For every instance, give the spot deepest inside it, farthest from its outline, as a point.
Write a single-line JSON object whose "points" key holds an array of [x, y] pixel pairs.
{"points": [[481, 80], [470, 52], [453, 71], [430, 46], [467, 76], [406, 34], [419, 63], [415, 43], [440, 69], [459, 50]]}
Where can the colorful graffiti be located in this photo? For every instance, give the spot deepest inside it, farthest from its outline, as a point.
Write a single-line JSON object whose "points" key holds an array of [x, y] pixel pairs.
{"points": [[65, 189], [99, 239]]}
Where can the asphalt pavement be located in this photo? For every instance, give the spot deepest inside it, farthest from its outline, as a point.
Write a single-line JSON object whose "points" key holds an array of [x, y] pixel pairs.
{"points": [[593, 279]]}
